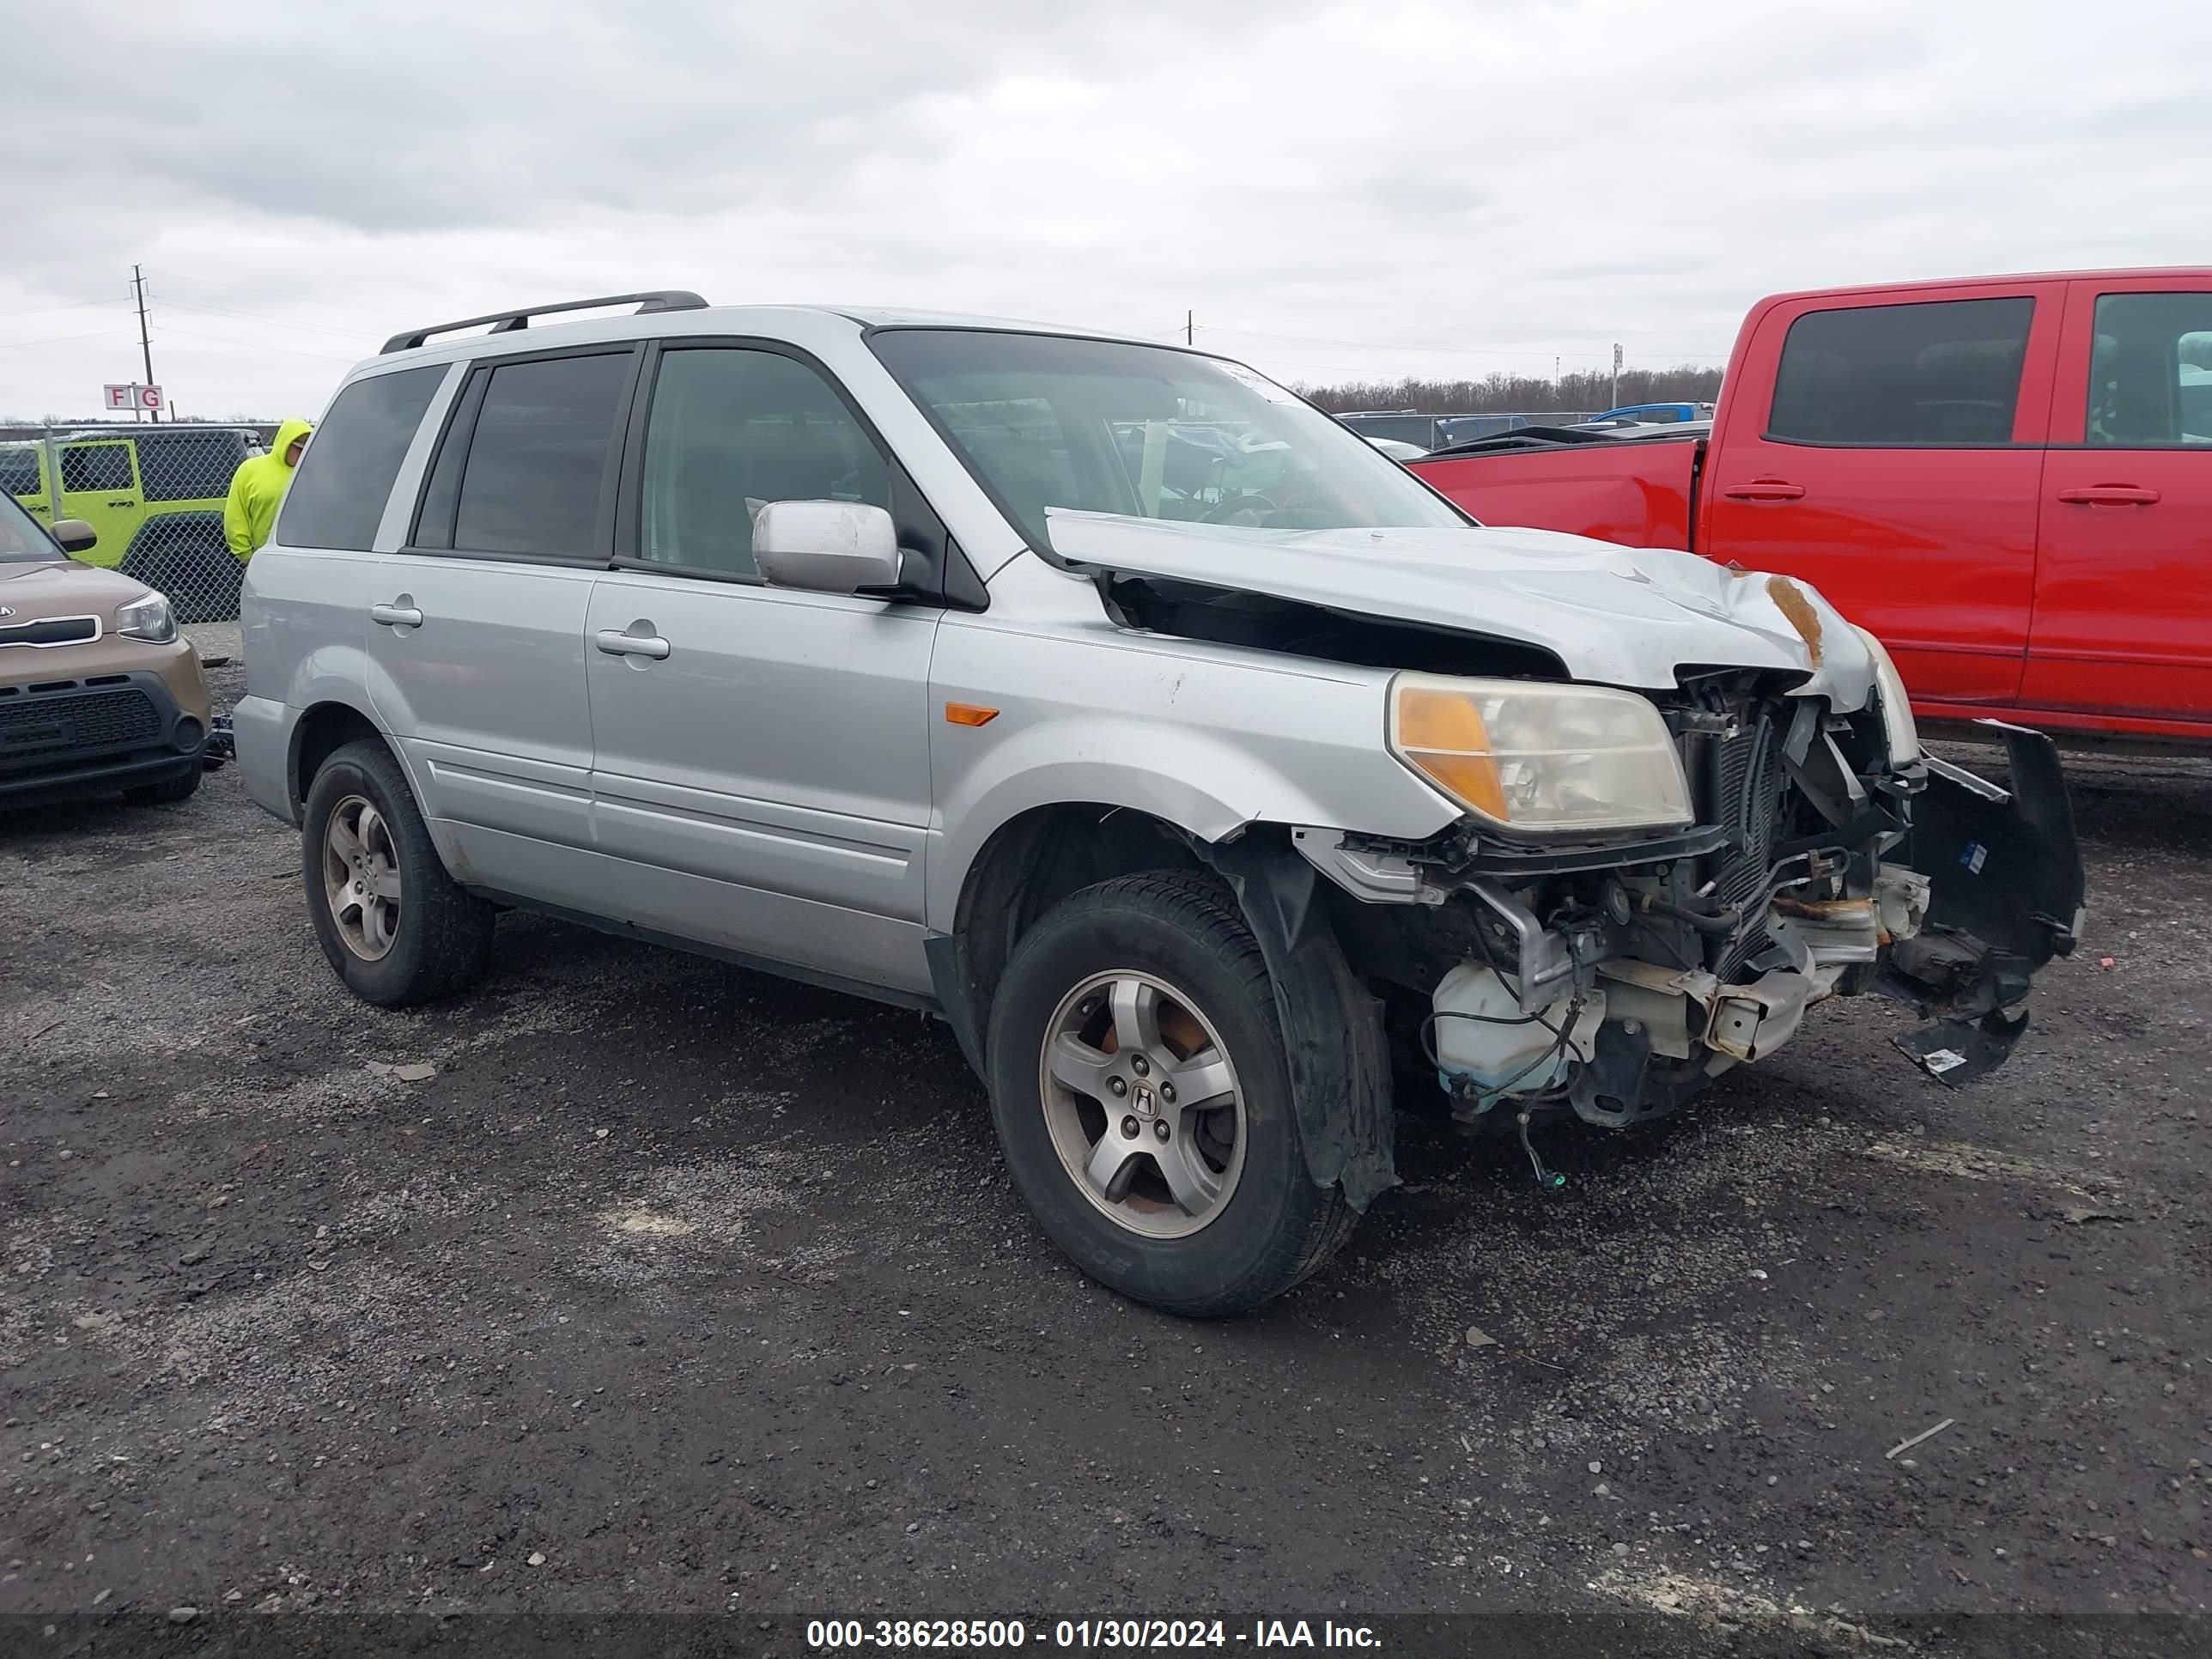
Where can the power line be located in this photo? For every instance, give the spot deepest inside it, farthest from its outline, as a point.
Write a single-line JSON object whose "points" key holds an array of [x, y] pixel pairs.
{"points": [[97, 334], [257, 345], [277, 322], [1372, 345], [74, 305], [1458, 350], [209, 282]]}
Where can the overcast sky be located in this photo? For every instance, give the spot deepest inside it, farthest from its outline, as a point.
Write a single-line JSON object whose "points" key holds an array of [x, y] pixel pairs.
{"points": [[1337, 191]]}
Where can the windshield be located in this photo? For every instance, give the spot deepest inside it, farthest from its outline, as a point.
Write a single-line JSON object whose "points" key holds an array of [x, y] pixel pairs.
{"points": [[22, 536], [1045, 421]]}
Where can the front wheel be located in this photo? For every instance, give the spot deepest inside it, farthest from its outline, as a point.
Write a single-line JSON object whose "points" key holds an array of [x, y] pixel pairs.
{"points": [[1140, 1086], [397, 929]]}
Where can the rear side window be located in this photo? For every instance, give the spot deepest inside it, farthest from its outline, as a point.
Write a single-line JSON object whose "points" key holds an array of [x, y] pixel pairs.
{"points": [[2150, 375], [336, 500], [1946, 373], [96, 466], [534, 476], [19, 471], [189, 466]]}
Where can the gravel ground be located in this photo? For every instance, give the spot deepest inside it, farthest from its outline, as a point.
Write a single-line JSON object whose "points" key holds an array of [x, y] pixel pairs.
{"points": [[673, 1288]]}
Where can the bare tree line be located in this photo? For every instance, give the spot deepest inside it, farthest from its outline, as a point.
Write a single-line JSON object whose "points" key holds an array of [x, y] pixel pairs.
{"points": [[1586, 392]]}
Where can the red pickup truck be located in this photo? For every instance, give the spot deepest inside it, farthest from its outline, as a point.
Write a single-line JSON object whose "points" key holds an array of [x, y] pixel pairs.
{"points": [[2008, 479]]}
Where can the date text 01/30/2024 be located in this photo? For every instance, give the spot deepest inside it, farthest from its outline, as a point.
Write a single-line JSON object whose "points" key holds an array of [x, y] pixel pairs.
{"points": [[1124, 1634]]}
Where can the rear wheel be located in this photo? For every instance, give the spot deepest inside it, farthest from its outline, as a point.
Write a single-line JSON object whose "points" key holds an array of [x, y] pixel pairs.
{"points": [[1141, 1095], [395, 926]]}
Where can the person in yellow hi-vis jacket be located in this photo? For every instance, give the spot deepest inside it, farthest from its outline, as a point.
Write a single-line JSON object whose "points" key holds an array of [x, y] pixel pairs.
{"points": [[257, 489]]}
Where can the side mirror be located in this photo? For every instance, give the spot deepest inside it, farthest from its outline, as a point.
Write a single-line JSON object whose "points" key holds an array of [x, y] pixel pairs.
{"points": [[826, 547], [75, 535]]}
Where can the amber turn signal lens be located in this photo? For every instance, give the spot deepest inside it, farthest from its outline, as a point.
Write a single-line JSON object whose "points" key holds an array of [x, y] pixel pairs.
{"points": [[1441, 735], [969, 714]]}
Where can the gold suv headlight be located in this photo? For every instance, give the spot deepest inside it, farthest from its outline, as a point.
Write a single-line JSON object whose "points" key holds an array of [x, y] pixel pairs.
{"points": [[1539, 758]]}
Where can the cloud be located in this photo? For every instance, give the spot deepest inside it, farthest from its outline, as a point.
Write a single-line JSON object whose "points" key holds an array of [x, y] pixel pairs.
{"points": [[1334, 189]]}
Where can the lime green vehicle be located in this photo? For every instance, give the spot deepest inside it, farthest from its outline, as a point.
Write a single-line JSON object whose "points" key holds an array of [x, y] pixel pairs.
{"points": [[153, 494]]}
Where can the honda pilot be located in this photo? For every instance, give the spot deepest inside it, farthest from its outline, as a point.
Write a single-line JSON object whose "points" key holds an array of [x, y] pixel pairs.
{"points": [[1221, 786]]}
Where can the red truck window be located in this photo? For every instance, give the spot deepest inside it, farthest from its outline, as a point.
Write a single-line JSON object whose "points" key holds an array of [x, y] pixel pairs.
{"points": [[1940, 374], [2150, 371]]}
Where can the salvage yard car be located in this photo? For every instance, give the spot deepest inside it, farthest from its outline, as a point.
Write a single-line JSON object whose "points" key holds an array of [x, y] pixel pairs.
{"points": [[98, 694], [1196, 763], [2008, 479]]}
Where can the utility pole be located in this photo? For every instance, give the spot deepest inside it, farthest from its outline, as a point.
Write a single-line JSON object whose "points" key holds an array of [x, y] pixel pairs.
{"points": [[145, 342], [1189, 328], [1616, 375]]}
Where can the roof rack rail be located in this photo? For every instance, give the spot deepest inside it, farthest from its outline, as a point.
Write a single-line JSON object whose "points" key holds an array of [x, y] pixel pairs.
{"points": [[507, 322]]}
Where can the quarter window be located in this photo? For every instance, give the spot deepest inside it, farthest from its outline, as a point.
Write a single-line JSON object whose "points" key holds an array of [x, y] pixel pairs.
{"points": [[337, 496], [1942, 373], [96, 466], [2150, 374], [733, 429], [535, 478]]}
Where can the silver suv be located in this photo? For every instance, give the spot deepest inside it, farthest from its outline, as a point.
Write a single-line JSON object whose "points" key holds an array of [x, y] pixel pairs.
{"points": [[1219, 784]]}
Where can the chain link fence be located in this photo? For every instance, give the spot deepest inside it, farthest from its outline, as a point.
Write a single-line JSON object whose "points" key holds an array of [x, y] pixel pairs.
{"points": [[154, 495]]}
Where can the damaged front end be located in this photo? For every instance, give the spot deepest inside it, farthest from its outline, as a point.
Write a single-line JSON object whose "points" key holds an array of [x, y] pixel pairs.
{"points": [[1614, 979], [1694, 803]]}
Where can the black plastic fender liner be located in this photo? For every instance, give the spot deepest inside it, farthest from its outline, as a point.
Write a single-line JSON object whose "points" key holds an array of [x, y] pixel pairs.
{"points": [[2003, 864], [957, 1009], [1339, 1059], [1958, 1051], [2006, 893]]}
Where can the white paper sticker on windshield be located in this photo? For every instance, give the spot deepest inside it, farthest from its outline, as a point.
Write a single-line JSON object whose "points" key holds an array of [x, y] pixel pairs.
{"points": [[1261, 384]]}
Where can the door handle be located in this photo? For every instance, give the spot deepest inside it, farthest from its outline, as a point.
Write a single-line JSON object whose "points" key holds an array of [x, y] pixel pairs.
{"points": [[615, 643], [2109, 495], [1764, 489], [396, 616]]}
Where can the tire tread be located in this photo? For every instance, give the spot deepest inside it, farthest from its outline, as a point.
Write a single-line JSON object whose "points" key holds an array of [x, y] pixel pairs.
{"points": [[452, 940], [1201, 905]]}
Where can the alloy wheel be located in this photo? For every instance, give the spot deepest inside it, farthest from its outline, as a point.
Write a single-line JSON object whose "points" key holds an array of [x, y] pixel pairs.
{"points": [[361, 878], [1142, 1101]]}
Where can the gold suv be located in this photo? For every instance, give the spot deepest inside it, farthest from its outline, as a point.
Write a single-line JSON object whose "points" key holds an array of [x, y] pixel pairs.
{"points": [[99, 695]]}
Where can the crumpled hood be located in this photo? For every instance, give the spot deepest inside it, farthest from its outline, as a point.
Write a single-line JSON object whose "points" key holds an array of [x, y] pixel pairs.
{"points": [[1614, 616]]}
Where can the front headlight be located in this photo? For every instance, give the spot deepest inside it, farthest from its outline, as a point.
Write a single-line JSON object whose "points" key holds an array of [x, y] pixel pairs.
{"points": [[149, 619], [1539, 758], [1897, 722]]}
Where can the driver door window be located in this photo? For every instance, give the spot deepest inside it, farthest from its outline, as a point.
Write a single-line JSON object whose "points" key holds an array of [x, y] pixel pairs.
{"points": [[731, 429]]}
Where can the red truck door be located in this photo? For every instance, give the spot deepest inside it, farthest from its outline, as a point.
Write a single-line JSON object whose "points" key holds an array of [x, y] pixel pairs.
{"points": [[2123, 581], [1890, 454]]}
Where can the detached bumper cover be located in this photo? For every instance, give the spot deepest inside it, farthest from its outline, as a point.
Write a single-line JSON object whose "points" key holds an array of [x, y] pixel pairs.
{"points": [[2006, 896]]}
